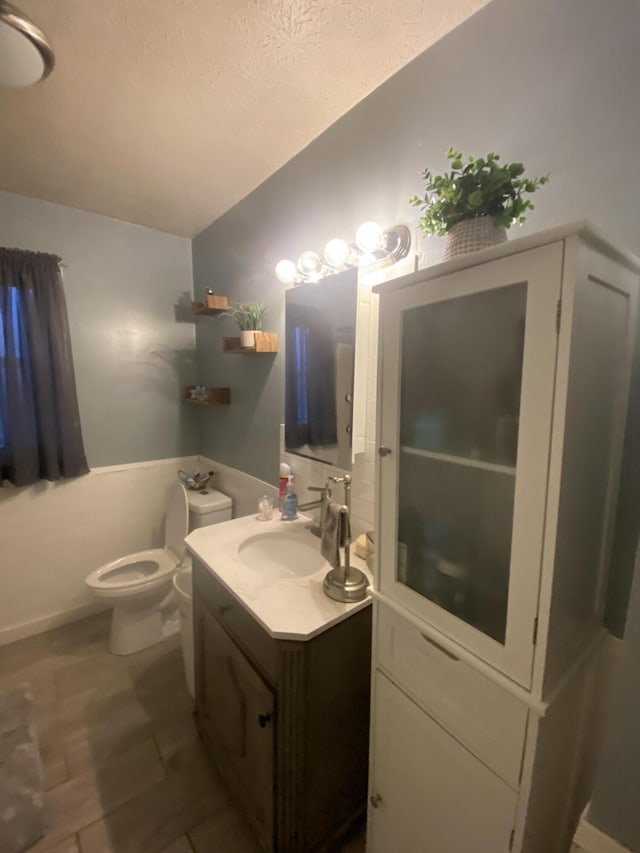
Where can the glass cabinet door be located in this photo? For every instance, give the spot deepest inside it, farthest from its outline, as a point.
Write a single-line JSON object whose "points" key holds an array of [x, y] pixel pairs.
{"points": [[459, 439], [467, 392]]}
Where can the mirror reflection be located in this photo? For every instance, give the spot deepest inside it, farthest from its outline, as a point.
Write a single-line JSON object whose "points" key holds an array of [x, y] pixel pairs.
{"points": [[320, 332]]}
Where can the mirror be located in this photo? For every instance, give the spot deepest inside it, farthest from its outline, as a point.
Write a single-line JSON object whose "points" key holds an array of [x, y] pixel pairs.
{"points": [[320, 341]]}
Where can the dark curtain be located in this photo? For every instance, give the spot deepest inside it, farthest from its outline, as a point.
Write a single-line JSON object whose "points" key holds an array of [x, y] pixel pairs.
{"points": [[40, 435], [310, 390]]}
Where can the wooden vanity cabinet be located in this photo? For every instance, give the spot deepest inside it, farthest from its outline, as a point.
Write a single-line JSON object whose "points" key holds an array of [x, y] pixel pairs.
{"points": [[286, 722]]}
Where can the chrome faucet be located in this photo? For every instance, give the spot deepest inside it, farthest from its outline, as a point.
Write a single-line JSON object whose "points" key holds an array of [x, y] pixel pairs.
{"points": [[317, 529]]}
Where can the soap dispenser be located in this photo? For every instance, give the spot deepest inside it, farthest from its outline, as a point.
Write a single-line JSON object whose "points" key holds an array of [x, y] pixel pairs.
{"points": [[290, 502]]}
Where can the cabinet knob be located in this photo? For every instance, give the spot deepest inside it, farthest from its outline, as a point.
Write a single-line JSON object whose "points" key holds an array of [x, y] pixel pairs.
{"points": [[375, 800], [224, 608], [263, 719], [384, 451]]}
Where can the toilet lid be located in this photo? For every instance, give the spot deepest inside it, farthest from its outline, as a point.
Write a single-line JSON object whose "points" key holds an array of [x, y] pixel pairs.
{"points": [[176, 525]]}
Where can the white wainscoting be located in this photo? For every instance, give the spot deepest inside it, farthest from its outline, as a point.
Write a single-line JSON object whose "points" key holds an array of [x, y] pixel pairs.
{"points": [[53, 534]]}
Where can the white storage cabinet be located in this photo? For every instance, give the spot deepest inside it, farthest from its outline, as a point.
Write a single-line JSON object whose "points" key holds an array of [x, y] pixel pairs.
{"points": [[503, 381]]}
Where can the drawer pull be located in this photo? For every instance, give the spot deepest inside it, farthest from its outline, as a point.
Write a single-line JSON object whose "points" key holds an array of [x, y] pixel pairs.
{"points": [[440, 648], [375, 800]]}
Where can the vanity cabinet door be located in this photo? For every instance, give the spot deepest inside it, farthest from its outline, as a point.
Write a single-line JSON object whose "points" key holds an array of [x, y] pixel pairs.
{"points": [[468, 367], [237, 708], [428, 793]]}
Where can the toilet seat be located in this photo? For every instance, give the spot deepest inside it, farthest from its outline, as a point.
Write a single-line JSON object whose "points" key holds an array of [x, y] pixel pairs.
{"points": [[147, 570], [139, 572]]}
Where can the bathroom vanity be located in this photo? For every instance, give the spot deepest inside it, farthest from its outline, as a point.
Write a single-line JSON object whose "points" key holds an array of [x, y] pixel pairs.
{"points": [[282, 682]]}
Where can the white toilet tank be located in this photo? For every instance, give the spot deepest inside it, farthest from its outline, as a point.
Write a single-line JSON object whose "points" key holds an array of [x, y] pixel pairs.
{"points": [[207, 507]]}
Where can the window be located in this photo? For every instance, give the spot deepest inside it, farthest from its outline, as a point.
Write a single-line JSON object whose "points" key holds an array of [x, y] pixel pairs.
{"points": [[40, 435]]}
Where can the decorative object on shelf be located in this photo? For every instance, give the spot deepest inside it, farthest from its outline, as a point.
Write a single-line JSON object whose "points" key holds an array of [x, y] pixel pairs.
{"points": [[204, 396], [198, 392], [216, 301], [475, 203], [264, 342], [195, 481], [249, 317], [374, 247], [26, 57]]}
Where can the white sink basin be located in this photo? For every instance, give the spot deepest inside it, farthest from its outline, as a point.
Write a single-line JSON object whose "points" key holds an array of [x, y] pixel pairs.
{"points": [[293, 553]]}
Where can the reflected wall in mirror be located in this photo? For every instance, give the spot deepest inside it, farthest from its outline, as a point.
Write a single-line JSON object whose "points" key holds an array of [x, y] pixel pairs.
{"points": [[320, 331]]}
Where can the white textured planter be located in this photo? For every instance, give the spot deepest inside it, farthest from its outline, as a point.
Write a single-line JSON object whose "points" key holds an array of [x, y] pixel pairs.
{"points": [[471, 235], [248, 339]]}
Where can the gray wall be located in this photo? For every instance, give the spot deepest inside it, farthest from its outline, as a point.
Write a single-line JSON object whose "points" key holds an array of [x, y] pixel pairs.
{"points": [[551, 84], [131, 353], [614, 805]]}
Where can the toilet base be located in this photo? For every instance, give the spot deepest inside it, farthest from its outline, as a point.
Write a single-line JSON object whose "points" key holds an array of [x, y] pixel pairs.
{"points": [[136, 628]]}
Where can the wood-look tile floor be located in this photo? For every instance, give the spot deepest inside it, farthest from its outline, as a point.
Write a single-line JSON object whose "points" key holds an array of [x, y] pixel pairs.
{"points": [[124, 769]]}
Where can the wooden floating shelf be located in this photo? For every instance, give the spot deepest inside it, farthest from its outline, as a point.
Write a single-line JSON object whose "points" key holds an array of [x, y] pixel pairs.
{"points": [[215, 396], [266, 342], [215, 305]]}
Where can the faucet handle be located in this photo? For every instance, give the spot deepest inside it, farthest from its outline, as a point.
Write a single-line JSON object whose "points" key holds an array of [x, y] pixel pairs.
{"points": [[346, 479], [318, 489]]}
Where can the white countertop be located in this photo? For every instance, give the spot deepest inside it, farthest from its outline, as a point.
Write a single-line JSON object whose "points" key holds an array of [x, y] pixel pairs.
{"points": [[289, 606]]}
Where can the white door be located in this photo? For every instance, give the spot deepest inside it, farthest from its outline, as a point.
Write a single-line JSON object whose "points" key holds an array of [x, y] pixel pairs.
{"points": [[467, 388], [431, 795]]}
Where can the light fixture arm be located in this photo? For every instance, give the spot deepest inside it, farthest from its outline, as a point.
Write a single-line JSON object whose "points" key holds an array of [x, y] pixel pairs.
{"points": [[397, 242]]}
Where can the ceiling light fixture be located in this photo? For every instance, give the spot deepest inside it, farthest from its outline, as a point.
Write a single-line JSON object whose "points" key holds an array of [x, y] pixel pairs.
{"points": [[26, 57], [373, 248]]}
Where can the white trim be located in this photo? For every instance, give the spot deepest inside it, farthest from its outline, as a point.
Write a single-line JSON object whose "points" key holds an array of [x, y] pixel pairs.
{"points": [[46, 623], [126, 466], [592, 840]]}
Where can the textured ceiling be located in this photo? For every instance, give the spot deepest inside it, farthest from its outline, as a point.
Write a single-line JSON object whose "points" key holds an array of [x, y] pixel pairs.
{"points": [[168, 112]]}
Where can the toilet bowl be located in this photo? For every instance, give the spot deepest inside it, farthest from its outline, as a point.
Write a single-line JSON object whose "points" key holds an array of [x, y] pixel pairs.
{"points": [[139, 585]]}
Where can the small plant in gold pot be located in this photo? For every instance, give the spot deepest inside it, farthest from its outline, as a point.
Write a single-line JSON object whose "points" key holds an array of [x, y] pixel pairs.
{"points": [[475, 202]]}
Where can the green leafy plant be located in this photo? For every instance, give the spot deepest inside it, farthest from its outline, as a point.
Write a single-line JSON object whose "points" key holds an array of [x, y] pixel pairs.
{"points": [[248, 315], [479, 187]]}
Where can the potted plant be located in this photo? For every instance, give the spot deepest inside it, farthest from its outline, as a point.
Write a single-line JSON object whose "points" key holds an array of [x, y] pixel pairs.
{"points": [[249, 317], [475, 202]]}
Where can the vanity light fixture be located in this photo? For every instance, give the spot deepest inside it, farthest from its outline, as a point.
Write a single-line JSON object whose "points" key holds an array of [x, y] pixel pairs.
{"points": [[374, 247], [26, 57], [336, 253]]}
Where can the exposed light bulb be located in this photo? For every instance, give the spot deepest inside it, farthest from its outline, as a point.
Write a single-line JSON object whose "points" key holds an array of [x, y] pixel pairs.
{"points": [[309, 262], [369, 237], [286, 272], [336, 253]]}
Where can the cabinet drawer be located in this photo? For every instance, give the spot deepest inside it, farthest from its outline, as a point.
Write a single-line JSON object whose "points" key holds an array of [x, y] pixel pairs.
{"points": [[242, 626], [488, 720]]}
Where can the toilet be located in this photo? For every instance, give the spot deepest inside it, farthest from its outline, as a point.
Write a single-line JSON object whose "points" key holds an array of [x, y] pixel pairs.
{"points": [[139, 585]]}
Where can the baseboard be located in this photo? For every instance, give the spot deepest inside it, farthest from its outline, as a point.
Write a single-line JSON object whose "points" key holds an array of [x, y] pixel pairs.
{"points": [[589, 839], [46, 623]]}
